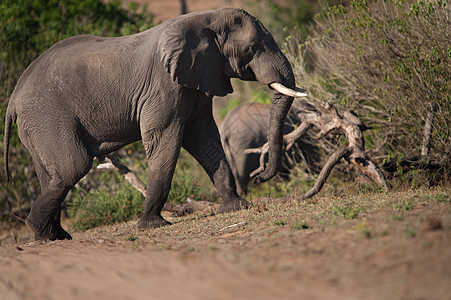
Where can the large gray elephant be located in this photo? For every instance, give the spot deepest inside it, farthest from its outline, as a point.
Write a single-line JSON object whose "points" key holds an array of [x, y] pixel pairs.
{"points": [[246, 127], [87, 96]]}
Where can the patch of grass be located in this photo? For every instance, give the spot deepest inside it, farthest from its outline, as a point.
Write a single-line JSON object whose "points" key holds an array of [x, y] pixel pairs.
{"points": [[322, 221], [410, 233], [348, 212], [442, 198], [280, 223], [397, 217], [300, 226], [88, 210], [363, 228], [132, 238], [405, 205], [185, 185]]}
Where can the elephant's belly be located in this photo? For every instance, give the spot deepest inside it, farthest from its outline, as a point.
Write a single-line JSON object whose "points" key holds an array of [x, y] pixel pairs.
{"points": [[107, 147]]}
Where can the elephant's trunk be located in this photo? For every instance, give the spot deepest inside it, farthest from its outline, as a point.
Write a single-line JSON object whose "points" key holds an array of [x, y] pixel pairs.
{"points": [[278, 74], [280, 105]]}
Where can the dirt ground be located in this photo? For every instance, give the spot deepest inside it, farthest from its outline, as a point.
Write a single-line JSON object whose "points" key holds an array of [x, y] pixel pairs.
{"points": [[393, 246], [168, 9]]}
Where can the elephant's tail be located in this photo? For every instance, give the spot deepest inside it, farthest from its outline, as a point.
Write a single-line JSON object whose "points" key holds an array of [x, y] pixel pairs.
{"points": [[10, 117]]}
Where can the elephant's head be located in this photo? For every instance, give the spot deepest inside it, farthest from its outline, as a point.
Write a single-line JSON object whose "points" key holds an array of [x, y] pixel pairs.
{"points": [[204, 50]]}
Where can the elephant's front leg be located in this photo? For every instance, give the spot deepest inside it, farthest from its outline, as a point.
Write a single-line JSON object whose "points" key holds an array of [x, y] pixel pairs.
{"points": [[201, 140], [162, 150]]}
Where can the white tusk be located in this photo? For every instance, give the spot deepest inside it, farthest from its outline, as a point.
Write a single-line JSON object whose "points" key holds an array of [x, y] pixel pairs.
{"points": [[287, 91]]}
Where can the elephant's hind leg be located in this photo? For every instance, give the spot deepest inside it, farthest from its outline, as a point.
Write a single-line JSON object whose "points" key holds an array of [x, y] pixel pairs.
{"points": [[58, 168], [43, 219]]}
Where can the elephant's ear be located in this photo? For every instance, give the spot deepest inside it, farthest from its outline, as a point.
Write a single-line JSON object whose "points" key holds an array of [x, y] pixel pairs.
{"points": [[191, 56]]}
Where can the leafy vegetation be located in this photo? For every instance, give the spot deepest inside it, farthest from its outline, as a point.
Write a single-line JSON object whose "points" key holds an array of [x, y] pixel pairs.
{"points": [[88, 210], [390, 62], [104, 197]]}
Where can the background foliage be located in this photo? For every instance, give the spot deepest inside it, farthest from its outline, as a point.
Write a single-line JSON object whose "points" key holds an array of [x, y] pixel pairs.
{"points": [[389, 61]]}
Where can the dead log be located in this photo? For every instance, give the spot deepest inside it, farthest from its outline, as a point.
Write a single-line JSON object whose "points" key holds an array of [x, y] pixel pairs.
{"points": [[328, 121], [325, 172]]}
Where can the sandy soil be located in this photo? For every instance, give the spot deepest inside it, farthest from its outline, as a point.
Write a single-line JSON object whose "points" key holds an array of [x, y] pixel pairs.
{"points": [[261, 253], [168, 9], [111, 270]]}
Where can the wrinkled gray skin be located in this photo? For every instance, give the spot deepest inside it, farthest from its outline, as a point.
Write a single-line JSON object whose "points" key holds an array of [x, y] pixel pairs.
{"points": [[245, 127], [88, 96]]}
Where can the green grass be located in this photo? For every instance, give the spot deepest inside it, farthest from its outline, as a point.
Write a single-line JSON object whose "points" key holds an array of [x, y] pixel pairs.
{"points": [[368, 217], [100, 208]]}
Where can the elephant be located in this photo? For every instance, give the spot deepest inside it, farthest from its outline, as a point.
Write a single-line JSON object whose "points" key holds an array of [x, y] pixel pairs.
{"points": [[245, 127], [87, 96]]}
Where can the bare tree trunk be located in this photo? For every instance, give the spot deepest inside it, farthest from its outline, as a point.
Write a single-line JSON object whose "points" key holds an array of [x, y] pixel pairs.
{"points": [[428, 129], [183, 7]]}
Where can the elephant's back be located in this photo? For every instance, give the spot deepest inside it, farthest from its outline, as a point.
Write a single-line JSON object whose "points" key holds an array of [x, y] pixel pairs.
{"points": [[245, 126], [80, 83]]}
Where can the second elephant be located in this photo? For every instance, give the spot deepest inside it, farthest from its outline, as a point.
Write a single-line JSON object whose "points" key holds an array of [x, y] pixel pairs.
{"points": [[245, 127]]}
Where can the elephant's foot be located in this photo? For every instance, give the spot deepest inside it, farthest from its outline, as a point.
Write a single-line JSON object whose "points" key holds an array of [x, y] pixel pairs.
{"points": [[52, 231], [233, 204], [155, 222]]}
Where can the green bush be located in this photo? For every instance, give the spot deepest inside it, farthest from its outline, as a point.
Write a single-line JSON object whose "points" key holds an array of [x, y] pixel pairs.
{"points": [[389, 61], [281, 18], [28, 28], [88, 210], [185, 185]]}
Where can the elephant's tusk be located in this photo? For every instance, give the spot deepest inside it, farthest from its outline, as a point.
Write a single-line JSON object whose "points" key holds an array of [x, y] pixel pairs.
{"points": [[287, 91]]}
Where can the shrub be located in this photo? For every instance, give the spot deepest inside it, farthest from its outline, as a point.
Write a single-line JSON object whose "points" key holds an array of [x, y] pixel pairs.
{"points": [[388, 61], [88, 210], [187, 183]]}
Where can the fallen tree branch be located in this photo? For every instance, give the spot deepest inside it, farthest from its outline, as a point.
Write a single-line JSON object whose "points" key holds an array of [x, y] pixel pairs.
{"points": [[330, 120], [325, 172], [233, 225], [115, 163]]}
